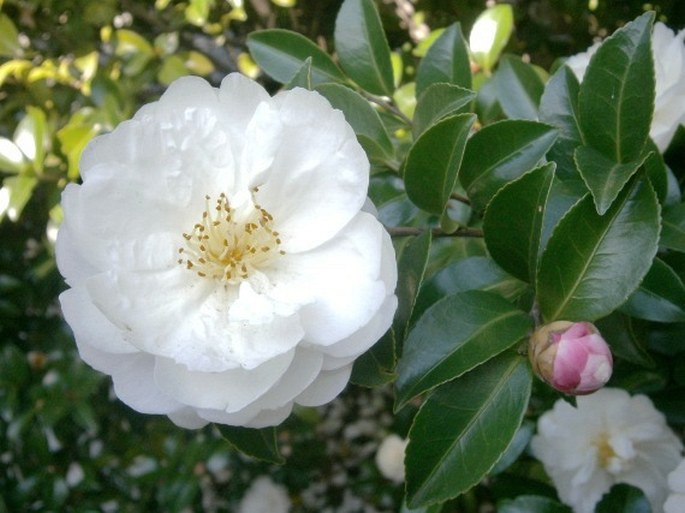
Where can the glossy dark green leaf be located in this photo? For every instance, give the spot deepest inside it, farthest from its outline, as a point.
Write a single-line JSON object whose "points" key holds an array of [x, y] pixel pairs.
{"points": [[623, 498], [562, 196], [627, 338], [430, 171], [490, 34], [513, 222], [519, 88], [303, 78], [447, 60], [500, 153], [376, 367], [258, 443], [592, 263], [455, 335], [359, 114], [438, 101], [660, 297], [282, 53], [656, 170], [531, 504], [616, 98], [673, 234], [604, 177], [559, 108], [447, 454], [470, 273], [411, 269], [361, 46]]}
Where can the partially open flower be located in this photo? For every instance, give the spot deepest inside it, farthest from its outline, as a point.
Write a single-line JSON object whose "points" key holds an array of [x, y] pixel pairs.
{"points": [[571, 357], [390, 457], [221, 264]]}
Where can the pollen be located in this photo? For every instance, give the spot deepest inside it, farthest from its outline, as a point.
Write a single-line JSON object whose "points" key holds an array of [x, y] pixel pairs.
{"points": [[229, 245]]}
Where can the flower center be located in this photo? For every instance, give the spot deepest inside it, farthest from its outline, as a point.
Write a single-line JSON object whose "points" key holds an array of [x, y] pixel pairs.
{"points": [[227, 245], [607, 457]]}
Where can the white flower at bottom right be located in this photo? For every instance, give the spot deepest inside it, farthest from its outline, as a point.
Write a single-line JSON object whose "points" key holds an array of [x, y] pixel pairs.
{"points": [[609, 438], [675, 503]]}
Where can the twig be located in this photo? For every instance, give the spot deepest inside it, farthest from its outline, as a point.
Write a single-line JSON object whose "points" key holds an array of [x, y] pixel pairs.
{"points": [[410, 231]]}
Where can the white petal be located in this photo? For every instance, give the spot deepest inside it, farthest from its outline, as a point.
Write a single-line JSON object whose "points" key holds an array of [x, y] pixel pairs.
{"points": [[675, 504], [320, 174], [344, 278], [231, 390], [267, 418], [70, 261], [187, 418], [90, 325], [326, 387]]}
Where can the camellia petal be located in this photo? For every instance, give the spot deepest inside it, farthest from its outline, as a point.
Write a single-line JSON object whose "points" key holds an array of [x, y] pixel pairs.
{"points": [[222, 266]]}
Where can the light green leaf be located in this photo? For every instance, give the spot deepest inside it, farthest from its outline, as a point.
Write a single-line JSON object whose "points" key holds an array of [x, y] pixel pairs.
{"points": [[359, 114], [455, 335], [303, 78], [172, 68], [361, 46], [464, 427], [9, 37], [660, 297], [616, 99], [410, 270], [592, 263], [446, 61], [31, 136], [604, 177], [15, 194], [282, 53], [490, 34], [430, 171], [513, 222], [258, 443], [500, 153], [519, 88], [438, 101], [559, 108], [197, 11], [74, 137], [11, 157]]}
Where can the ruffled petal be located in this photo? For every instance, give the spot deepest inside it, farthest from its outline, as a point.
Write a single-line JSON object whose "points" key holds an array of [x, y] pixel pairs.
{"points": [[326, 387]]}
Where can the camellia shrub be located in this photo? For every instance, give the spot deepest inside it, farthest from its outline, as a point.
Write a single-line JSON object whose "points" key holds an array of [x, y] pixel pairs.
{"points": [[417, 267]]}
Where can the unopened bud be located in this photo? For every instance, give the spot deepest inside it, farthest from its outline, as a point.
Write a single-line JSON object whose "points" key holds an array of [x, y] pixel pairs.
{"points": [[572, 357]]}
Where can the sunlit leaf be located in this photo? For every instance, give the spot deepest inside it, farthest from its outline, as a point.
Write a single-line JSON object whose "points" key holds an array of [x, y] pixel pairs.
{"points": [[9, 37], [490, 34]]}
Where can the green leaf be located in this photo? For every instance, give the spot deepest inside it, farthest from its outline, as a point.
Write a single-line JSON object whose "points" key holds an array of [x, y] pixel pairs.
{"points": [[490, 34], [438, 101], [623, 498], [513, 222], [375, 367], [11, 157], [592, 263], [9, 37], [604, 177], [616, 99], [660, 297], [627, 338], [471, 273], [361, 46], [519, 88], [303, 78], [172, 68], [455, 335], [563, 195], [74, 137], [656, 170], [360, 115], [463, 428], [500, 153], [282, 53], [430, 171], [18, 189], [559, 108], [411, 269], [447, 60], [531, 504], [30, 136], [197, 11], [673, 234], [258, 443]]}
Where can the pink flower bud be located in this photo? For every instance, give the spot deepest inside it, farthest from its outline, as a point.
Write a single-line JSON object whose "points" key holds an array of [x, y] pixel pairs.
{"points": [[572, 357]]}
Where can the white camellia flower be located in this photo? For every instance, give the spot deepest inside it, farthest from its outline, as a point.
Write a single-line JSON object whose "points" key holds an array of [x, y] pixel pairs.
{"points": [[264, 496], [220, 262], [668, 51], [609, 438], [675, 503], [390, 457]]}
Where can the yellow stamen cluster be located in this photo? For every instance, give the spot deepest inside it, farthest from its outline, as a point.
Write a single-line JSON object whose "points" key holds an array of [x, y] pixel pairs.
{"points": [[228, 246]]}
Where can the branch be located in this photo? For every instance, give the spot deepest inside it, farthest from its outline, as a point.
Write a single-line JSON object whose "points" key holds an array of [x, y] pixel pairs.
{"points": [[410, 231]]}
